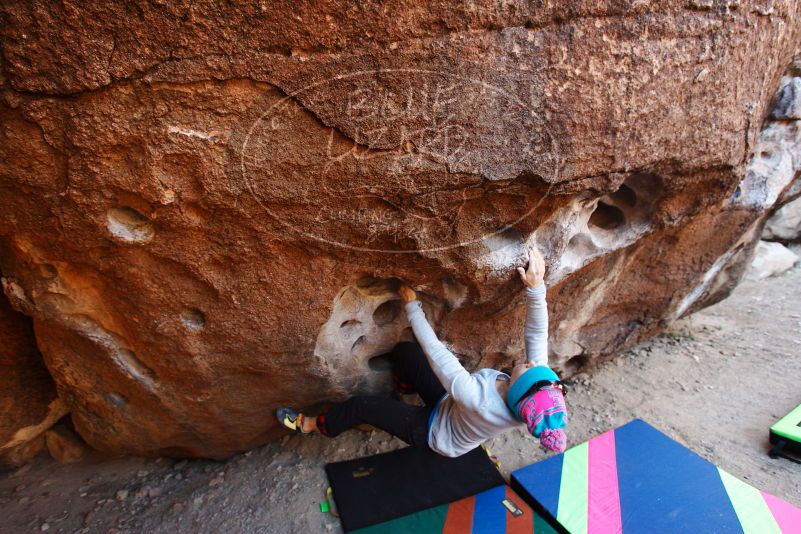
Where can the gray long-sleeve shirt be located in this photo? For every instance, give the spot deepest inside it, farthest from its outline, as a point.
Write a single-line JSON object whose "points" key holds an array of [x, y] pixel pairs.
{"points": [[473, 410]]}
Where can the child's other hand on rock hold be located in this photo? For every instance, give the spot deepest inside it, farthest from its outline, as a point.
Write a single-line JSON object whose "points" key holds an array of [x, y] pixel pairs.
{"points": [[407, 294], [535, 274]]}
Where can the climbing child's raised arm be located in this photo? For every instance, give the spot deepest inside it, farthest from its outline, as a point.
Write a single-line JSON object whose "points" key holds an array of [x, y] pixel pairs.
{"points": [[536, 328], [454, 378]]}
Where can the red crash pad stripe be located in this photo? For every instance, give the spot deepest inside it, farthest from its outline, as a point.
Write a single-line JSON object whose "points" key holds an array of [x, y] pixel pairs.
{"points": [[523, 524], [603, 495], [460, 516]]}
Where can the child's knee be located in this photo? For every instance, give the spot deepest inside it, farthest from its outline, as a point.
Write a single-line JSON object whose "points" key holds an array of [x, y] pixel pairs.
{"points": [[361, 402]]}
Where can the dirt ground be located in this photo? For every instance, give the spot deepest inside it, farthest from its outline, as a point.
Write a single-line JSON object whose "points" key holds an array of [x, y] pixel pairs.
{"points": [[715, 382]]}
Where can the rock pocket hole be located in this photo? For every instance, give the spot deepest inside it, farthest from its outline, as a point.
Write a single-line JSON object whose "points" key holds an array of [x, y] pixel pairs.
{"points": [[625, 196], [129, 225], [350, 326], [116, 400], [576, 364], [47, 271], [193, 318], [607, 217], [581, 245], [357, 345], [378, 286], [387, 312]]}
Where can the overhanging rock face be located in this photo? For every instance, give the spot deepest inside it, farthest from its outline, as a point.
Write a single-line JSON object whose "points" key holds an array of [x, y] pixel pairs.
{"points": [[207, 210]]}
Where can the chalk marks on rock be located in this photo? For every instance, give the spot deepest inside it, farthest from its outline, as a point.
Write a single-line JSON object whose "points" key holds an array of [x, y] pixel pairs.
{"points": [[193, 318], [593, 227], [128, 225], [366, 322]]}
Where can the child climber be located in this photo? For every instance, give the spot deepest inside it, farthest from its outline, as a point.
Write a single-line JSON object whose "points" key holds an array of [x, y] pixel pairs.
{"points": [[461, 410]]}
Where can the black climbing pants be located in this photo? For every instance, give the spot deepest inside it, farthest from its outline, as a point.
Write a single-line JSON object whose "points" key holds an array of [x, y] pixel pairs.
{"points": [[412, 373]]}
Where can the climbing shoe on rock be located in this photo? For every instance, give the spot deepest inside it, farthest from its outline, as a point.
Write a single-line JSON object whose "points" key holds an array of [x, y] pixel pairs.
{"points": [[290, 419]]}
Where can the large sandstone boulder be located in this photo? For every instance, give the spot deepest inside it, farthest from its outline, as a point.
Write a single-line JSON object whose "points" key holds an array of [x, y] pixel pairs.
{"points": [[207, 208]]}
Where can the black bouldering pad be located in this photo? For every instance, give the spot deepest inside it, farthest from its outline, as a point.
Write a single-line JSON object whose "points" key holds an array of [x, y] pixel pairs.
{"points": [[371, 490]]}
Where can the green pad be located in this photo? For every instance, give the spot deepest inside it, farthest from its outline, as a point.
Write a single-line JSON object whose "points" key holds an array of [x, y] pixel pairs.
{"points": [[789, 426]]}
